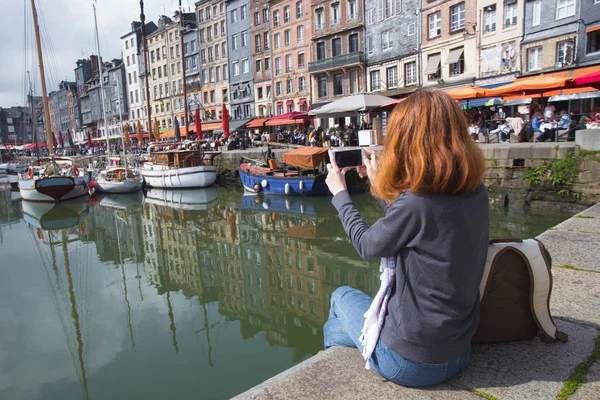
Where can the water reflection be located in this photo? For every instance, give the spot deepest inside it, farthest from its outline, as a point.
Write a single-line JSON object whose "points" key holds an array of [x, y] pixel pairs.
{"points": [[205, 283]]}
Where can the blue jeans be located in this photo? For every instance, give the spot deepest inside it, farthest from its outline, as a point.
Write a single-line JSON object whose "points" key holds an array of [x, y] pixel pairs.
{"points": [[344, 327]]}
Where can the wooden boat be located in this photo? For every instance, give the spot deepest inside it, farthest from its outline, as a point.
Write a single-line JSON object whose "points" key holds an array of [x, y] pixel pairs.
{"points": [[180, 169], [188, 200], [303, 175], [118, 180], [58, 180], [55, 216]]}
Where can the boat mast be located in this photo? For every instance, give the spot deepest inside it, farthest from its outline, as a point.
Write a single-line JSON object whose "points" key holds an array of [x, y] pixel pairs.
{"points": [[102, 94], [42, 78], [147, 76], [33, 119], [185, 100], [119, 95]]}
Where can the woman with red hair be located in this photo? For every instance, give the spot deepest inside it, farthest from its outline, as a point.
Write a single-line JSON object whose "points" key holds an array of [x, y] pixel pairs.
{"points": [[432, 243]]}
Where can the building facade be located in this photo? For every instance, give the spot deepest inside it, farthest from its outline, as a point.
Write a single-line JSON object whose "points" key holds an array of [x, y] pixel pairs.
{"points": [[65, 118], [260, 28], [391, 45], [500, 32], [214, 69], [291, 33], [549, 35], [117, 104], [241, 79], [337, 69], [191, 64], [588, 38], [133, 58], [449, 50], [16, 126]]}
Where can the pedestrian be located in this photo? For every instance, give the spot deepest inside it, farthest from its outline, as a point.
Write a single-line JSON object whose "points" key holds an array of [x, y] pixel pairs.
{"points": [[432, 242]]}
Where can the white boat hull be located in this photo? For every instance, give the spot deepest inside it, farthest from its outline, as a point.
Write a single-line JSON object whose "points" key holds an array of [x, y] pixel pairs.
{"points": [[129, 186], [199, 199], [157, 176], [53, 189]]}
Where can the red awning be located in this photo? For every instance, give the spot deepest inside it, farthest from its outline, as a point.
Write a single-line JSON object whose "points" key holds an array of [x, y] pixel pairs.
{"points": [[280, 103], [257, 123], [289, 102], [301, 102], [279, 122]]}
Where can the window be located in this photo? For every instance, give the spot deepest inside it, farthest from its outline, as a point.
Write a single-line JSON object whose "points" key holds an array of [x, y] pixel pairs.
{"points": [[322, 86], [202, 58], [370, 17], [266, 15], [375, 81], [234, 42], [236, 68], [352, 10], [257, 45], [300, 60], [279, 90], [244, 39], [201, 15], [564, 53], [456, 67], [593, 42], [565, 8], [245, 66], [126, 44], [386, 40], [216, 30], [244, 12], [258, 66], [299, 10], [319, 19], [287, 14], [267, 63], [335, 14], [302, 84], [434, 60], [207, 12], [287, 35], [127, 59], [288, 63], [370, 45], [218, 73], [278, 66], [489, 19], [510, 13], [353, 43], [435, 24], [457, 17], [208, 34], [225, 73], [534, 58], [267, 40], [300, 33], [536, 11], [279, 112], [276, 18], [289, 86], [336, 47], [354, 81], [320, 50], [211, 74], [216, 51], [388, 9], [259, 92], [210, 54], [233, 16], [277, 39], [222, 28], [257, 18]]}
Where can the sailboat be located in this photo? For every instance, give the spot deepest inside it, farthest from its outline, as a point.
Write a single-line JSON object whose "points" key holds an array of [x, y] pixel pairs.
{"points": [[58, 179], [114, 179]]}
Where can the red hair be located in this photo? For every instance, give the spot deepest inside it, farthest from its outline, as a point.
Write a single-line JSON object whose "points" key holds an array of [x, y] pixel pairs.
{"points": [[427, 148]]}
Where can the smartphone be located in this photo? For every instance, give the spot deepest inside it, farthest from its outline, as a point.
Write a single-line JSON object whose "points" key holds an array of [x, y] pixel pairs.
{"points": [[348, 158]]}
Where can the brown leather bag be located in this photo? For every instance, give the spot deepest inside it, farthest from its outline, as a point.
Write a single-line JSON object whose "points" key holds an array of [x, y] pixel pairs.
{"points": [[515, 294]]}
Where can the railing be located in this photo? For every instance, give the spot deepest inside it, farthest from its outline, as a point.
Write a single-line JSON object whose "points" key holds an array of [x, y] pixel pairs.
{"points": [[336, 62]]}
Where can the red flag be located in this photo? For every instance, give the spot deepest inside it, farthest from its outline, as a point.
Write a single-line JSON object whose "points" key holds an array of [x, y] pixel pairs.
{"points": [[225, 122], [89, 139], [198, 123], [61, 139]]}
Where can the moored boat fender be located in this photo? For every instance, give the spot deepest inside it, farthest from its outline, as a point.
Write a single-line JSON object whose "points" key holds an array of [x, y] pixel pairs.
{"points": [[256, 187], [301, 185], [287, 188], [264, 183]]}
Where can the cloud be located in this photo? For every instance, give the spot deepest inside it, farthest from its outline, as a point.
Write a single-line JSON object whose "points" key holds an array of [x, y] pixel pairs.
{"points": [[70, 25]]}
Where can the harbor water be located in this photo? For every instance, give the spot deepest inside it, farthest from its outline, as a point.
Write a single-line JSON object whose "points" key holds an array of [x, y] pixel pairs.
{"points": [[198, 294]]}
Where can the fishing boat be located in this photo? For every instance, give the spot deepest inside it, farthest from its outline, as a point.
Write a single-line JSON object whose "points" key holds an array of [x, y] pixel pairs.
{"points": [[118, 180], [303, 175], [180, 169], [9, 172], [189, 200], [47, 216], [57, 180]]}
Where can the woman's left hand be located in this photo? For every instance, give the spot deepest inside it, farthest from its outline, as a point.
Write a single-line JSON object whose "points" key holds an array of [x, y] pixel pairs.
{"points": [[336, 178]]}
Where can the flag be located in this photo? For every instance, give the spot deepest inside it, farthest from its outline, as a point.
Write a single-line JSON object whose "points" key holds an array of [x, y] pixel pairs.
{"points": [[156, 131], [89, 139], [140, 135], [126, 135], [198, 123]]}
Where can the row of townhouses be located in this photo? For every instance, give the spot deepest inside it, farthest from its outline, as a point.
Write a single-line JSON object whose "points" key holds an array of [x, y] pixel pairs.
{"points": [[268, 57]]}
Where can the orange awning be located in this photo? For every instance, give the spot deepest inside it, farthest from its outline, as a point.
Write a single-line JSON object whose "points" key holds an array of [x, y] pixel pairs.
{"points": [[575, 73], [536, 84], [279, 122], [467, 92], [211, 127], [205, 127], [305, 157], [257, 123], [592, 29]]}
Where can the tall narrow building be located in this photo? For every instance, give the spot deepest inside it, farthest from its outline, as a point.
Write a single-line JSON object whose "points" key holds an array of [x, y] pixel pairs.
{"points": [[392, 44], [337, 69], [214, 68], [261, 54], [241, 79]]}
